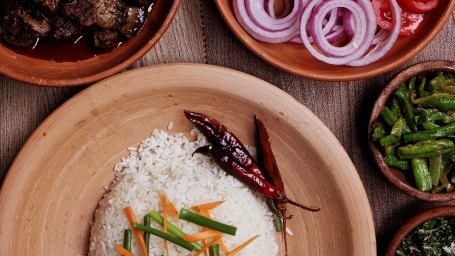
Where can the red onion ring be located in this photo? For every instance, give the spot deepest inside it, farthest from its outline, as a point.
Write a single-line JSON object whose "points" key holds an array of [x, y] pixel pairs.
{"points": [[366, 11], [260, 33], [269, 7], [383, 46]]}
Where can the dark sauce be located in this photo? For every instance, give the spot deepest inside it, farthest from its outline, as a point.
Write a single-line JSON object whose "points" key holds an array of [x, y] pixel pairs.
{"points": [[65, 51]]}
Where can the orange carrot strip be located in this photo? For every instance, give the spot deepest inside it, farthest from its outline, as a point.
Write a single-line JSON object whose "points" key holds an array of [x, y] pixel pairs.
{"points": [[137, 233], [242, 246], [171, 210], [201, 235], [223, 247], [206, 246], [118, 248], [165, 210], [209, 206]]}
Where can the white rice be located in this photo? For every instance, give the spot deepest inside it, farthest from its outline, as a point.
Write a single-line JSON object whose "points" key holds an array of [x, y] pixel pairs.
{"points": [[164, 163]]}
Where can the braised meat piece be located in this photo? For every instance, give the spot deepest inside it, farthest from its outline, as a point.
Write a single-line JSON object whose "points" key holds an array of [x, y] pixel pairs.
{"points": [[133, 21], [109, 13], [106, 22], [83, 11], [65, 29], [22, 29], [105, 40], [50, 6]]}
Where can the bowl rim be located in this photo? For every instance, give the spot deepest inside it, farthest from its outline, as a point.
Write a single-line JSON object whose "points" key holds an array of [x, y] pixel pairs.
{"points": [[246, 39], [79, 81], [404, 75], [411, 224]]}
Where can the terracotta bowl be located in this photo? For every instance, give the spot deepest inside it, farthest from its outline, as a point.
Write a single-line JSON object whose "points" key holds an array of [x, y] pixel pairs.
{"points": [[396, 176], [414, 222], [70, 73], [297, 60]]}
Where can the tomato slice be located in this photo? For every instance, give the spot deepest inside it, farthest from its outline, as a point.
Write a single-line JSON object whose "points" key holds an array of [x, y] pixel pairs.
{"points": [[418, 6], [409, 21]]}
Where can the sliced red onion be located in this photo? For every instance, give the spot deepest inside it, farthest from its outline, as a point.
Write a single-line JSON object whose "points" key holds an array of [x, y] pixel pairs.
{"points": [[368, 30], [380, 36], [257, 13], [348, 24], [384, 46], [336, 34], [269, 7], [260, 33], [316, 27]]}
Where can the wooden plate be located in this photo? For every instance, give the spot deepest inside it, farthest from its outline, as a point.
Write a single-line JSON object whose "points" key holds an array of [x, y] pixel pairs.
{"points": [[70, 73], [53, 187], [297, 60]]}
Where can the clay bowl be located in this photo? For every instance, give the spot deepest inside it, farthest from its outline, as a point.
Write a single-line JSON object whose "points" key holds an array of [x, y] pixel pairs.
{"points": [[69, 159], [47, 72], [297, 60], [396, 176], [441, 211]]}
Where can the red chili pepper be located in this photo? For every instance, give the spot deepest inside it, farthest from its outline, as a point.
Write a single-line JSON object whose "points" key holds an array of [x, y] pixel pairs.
{"points": [[220, 136], [271, 172], [230, 154]]}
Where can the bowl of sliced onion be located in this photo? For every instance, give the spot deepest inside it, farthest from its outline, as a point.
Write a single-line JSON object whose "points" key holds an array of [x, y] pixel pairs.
{"points": [[336, 40]]}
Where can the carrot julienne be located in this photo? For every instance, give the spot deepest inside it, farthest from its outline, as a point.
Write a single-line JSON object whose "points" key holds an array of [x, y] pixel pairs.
{"points": [[171, 210], [208, 233], [118, 248], [206, 246], [242, 246], [137, 233], [208, 206], [166, 207]]}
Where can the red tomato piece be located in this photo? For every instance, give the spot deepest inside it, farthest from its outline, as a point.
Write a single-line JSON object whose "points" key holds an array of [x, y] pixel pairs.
{"points": [[418, 6], [409, 21]]}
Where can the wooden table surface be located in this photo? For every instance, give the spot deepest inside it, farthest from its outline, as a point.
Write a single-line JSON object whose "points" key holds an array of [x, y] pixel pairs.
{"points": [[199, 35]]}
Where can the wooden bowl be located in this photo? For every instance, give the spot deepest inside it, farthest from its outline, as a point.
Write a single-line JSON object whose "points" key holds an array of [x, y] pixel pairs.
{"points": [[54, 185], [297, 60], [441, 211], [70, 73], [396, 176]]}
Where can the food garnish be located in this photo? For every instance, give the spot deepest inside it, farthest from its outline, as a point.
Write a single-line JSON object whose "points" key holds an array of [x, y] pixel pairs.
{"points": [[416, 128], [433, 237], [206, 222], [187, 245], [273, 175], [232, 156], [240, 247], [339, 32], [137, 233], [118, 248], [214, 250], [145, 234], [127, 240]]}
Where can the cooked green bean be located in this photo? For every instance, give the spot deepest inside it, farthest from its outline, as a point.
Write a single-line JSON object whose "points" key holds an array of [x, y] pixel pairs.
{"points": [[435, 133], [436, 169], [389, 116], [394, 161], [395, 106], [429, 125], [389, 140], [405, 103], [127, 239], [442, 103], [378, 133], [424, 150], [206, 222], [412, 83], [400, 128], [430, 115], [187, 245], [422, 176]]}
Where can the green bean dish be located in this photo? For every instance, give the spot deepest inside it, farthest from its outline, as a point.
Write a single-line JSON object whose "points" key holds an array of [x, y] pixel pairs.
{"points": [[416, 131]]}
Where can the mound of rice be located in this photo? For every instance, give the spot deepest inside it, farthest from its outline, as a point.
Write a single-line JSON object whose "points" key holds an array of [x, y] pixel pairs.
{"points": [[164, 163]]}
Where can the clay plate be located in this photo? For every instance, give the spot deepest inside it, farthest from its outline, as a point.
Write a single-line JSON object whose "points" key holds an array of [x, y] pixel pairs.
{"points": [[295, 59], [441, 211], [396, 176], [53, 73], [54, 185]]}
